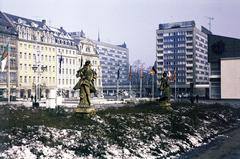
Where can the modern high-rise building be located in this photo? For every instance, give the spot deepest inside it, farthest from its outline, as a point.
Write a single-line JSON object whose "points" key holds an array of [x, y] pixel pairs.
{"points": [[181, 46], [113, 58]]}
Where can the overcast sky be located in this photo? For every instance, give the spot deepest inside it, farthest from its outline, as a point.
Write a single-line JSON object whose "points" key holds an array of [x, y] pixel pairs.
{"points": [[131, 21]]}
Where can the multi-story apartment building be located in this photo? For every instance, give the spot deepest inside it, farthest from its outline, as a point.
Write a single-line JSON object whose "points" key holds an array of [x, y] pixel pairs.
{"points": [[181, 46], [87, 51], [36, 56], [8, 37], [113, 58], [39, 49], [67, 50]]}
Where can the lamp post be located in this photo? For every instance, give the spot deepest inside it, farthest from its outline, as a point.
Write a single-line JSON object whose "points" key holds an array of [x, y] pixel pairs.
{"points": [[38, 68]]}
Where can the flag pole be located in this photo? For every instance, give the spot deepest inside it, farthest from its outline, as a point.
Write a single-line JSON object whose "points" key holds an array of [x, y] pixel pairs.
{"points": [[152, 86], [8, 71], [118, 74], [117, 88], [175, 84], [130, 83], [141, 76]]}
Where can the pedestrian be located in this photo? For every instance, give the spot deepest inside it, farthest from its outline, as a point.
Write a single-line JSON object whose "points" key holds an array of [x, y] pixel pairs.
{"points": [[31, 98], [192, 99], [197, 97]]}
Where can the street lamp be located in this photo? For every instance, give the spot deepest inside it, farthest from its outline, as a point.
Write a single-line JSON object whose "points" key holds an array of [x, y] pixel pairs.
{"points": [[39, 69]]}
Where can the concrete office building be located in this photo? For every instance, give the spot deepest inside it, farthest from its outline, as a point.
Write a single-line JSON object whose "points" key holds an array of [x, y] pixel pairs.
{"points": [[224, 59], [182, 46], [113, 57]]}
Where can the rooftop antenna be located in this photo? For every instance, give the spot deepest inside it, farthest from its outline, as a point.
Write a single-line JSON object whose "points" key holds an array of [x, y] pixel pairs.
{"points": [[210, 19]]}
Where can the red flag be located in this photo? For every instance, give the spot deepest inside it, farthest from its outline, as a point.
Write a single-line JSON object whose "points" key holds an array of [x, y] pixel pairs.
{"points": [[3, 59]]}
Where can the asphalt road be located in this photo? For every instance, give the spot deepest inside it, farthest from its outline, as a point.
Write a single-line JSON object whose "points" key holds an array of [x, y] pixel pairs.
{"points": [[224, 147]]}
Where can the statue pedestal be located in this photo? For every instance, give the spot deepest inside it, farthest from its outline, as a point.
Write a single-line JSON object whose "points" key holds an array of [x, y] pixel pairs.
{"points": [[85, 110], [165, 104]]}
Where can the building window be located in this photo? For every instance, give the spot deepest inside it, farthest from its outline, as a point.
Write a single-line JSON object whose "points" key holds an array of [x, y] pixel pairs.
{"points": [[87, 49], [25, 56], [20, 79], [25, 79]]}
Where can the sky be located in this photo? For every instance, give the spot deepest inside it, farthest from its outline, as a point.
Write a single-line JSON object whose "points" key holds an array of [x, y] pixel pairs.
{"points": [[131, 21]]}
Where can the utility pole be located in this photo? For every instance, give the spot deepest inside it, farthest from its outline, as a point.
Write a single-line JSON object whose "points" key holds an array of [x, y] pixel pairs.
{"points": [[210, 19]]}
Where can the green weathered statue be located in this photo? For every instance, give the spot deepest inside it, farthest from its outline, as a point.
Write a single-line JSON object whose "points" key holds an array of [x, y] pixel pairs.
{"points": [[165, 89], [85, 84]]}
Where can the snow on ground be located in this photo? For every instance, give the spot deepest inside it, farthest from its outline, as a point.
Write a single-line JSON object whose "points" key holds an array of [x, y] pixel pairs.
{"points": [[147, 134]]}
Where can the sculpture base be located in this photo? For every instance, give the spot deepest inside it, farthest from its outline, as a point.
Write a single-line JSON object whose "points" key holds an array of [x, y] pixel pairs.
{"points": [[85, 110], [166, 105]]}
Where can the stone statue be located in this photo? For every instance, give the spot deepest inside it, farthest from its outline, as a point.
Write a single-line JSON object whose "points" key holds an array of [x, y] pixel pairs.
{"points": [[86, 84], [165, 89]]}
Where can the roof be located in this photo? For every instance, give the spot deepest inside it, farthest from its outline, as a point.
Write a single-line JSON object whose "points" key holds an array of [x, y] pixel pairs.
{"points": [[41, 25]]}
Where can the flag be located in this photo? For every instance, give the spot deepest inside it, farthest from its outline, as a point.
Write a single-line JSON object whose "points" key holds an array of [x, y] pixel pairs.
{"points": [[141, 71], [81, 62], [60, 63], [4, 58], [130, 73], [153, 71], [169, 75], [118, 73], [174, 75]]}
